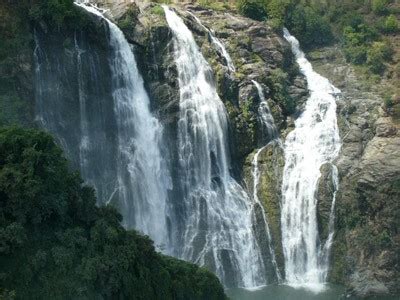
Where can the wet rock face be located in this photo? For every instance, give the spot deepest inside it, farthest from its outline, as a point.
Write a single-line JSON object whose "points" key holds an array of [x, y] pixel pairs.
{"points": [[271, 162], [367, 243], [255, 50], [325, 194]]}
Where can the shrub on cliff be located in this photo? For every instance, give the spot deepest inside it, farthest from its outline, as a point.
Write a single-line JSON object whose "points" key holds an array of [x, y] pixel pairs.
{"points": [[278, 81], [377, 55], [391, 24], [356, 41], [254, 9], [55, 243], [311, 29], [380, 6], [57, 13]]}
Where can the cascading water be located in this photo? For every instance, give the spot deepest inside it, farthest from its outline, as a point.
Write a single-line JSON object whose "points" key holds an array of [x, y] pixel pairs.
{"points": [[120, 148], [218, 45], [269, 131], [139, 135], [218, 221], [269, 135], [314, 142]]}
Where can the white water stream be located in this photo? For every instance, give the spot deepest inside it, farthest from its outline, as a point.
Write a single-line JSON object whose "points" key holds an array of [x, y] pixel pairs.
{"points": [[217, 44], [218, 221], [143, 177], [269, 135], [314, 142]]}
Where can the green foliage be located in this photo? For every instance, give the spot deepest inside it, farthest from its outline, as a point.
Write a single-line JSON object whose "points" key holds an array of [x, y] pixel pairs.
{"points": [[55, 243], [277, 10], [255, 9], [356, 41], [163, 1], [15, 54], [380, 6], [377, 54], [388, 101], [304, 21], [309, 27], [391, 24], [278, 81], [58, 13], [215, 5], [127, 21], [157, 10]]}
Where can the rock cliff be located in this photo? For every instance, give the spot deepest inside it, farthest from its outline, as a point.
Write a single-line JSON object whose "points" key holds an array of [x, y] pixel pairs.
{"points": [[367, 242]]}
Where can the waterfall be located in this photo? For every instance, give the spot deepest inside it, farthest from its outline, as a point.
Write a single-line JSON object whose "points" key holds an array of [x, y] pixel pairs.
{"points": [[268, 128], [269, 135], [314, 142], [217, 44], [218, 220], [116, 144]]}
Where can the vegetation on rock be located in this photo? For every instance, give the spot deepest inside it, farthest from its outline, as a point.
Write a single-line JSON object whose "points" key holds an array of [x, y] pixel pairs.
{"points": [[56, 243]]}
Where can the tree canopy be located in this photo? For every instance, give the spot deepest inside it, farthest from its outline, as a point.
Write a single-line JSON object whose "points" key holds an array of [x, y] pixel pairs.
{"points": [[55, 243]]}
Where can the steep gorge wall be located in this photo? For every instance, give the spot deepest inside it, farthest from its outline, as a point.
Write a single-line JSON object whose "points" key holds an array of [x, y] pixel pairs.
{"points": [[258, 53], [367, 245]]}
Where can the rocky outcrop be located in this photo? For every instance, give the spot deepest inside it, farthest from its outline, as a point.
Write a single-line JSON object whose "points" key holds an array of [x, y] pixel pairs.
{"points": [[271, 162], [324, 195], [367, 242], [256, 51]]}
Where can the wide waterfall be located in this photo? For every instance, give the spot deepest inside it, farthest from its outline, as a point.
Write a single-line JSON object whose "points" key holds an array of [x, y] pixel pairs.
{"points": [[314, 141], [269, 134], [119, 141], [218, 220]]}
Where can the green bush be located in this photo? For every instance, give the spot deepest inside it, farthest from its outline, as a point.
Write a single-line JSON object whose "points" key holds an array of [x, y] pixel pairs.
{"points": [[127, 21], [278, 82], [380, 6], [391, 24], [58, 13], [388, 101], [157, 10], [377, 55], [277, 10], [55, 243], [356, 54], [356, 41], [309, 27], [255, 9]]}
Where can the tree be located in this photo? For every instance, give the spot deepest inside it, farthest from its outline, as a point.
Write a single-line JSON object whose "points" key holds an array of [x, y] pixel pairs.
{"points": [[55, 243], [309, 27]]}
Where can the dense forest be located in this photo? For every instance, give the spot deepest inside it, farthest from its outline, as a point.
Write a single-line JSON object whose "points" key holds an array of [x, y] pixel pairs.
{"points": [[56, 243]]}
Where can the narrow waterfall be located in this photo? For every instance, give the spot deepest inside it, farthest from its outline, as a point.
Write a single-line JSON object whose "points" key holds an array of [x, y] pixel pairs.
{"points": [[218, 220], [118, 142], [269, 131], [217, 44], [269, 135], [314, 142], [326, 249]]}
